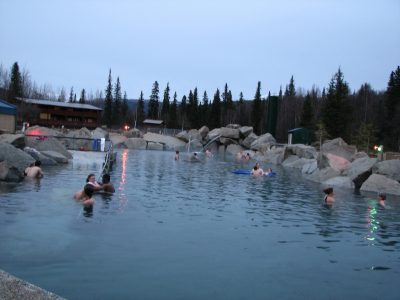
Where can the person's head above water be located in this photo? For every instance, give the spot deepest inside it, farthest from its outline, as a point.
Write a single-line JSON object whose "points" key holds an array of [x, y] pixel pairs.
{"points": [[382, 196], [106, 178], [88, 190], [328, 190], [90, 177]]}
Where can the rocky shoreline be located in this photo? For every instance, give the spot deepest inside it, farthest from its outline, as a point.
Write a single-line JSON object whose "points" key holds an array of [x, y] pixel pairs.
{"points": [[336, 164]]}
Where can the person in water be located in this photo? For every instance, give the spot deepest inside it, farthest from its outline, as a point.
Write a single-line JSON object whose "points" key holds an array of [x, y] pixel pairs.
{"points": [[86, 196], [208, 153], [381, 199], [269, 171], [257, 171], [91, 179], [176, 155], [328, 199], [34, 171], [106, 184]]}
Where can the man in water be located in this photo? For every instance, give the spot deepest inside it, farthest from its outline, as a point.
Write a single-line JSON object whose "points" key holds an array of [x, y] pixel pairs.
{"points": [[257, 171], [381, 199], [34, 171], [106, 184]]}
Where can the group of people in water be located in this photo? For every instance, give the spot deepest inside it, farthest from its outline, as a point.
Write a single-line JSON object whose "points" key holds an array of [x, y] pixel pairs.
{"points": [[85, 196], [329, 199]]}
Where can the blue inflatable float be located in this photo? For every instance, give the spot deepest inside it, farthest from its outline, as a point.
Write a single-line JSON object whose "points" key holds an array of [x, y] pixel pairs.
{"points": [[248, 172]]}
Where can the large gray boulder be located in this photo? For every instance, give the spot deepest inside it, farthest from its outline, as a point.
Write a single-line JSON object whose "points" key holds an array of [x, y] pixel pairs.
{"points": [[204, 130], [244, 131], [135, 143], [340, 181], [310, 167], [56, 156], [80, 139], [250, 138], [329, 160], [17, 140], [42, 131], [381, 183], [321, 175], [48, 144], [9, 173], [300, 150], [118, 141], [15, 157], [45, 160], [169, 142], [231, 133], [336, 154], [155, 146], [265, 140], [293, 161], [183, 136], [213, 134], [359, 170], [273, 156], [233, 149], [133, 133], [389, 168], [100, 133]]}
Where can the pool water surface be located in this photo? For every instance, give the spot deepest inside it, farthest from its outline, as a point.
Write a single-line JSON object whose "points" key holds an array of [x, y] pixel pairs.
{"points": [[181, 230]]}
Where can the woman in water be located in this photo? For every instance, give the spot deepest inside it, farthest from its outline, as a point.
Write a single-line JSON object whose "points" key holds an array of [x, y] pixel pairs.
{"points": [[329, 196], [257, 171]]}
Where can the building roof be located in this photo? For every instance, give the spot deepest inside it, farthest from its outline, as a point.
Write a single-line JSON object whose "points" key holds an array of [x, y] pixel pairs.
{"points": [[153, 122], [60, 104], [7, 108]]}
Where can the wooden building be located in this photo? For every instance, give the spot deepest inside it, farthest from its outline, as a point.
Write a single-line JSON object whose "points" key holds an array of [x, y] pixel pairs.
{"points": [[59, 114], [8, 117]]}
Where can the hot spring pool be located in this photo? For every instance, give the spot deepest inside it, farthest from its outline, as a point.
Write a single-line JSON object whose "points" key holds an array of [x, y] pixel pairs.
{"points": [[180, 230]]}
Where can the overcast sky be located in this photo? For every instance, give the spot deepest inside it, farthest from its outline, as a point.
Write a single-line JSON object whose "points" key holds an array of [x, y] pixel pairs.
{"points": [[203, 44]]}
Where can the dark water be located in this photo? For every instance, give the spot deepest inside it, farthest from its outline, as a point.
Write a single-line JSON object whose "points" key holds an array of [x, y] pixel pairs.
{"points": [[180, 230]]}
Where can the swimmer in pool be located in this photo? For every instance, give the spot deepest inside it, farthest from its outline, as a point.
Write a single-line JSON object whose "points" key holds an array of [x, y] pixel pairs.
{"points": [[328, 199], [257, 171]]}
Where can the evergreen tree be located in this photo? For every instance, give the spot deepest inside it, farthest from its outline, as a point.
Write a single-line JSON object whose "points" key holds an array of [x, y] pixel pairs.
{"points": [[205, 109], [173, 113], [125, 115], [307, 116], [108, 101], [74, 98], [116, 107], [15, 89], [165, 105], [140, 114], [392, 105], [337, 111], [183, 111], [82, 99], [365, 137], [154, 102], [71, 95], [61, 97], [215, 114], [241, 111], [257, 111]]}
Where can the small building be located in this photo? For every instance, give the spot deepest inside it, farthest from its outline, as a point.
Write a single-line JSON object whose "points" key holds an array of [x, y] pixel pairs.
{"points": [[153, 125], [8, 117], [300, 136], [59, 114]]}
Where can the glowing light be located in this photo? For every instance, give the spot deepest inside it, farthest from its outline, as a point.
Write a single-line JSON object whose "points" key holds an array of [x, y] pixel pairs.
{"points": [[126, 127]]}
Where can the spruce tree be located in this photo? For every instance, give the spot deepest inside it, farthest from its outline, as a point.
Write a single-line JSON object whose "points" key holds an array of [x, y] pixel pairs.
{"points": [[392, 105], [154, 102], [215, 114], [165, 105], [71, 95], [140, 113], [205, 109], [307, 116], [15, 89], [107, 112], [82, 99], [116, 107], [257, 111], [61, 97], [183, 112], [337, 111], [125, 115], [173, 113]]}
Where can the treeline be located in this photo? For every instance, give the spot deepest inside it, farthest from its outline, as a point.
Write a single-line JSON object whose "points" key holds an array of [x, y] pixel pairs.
{"points": [[363, 117]]}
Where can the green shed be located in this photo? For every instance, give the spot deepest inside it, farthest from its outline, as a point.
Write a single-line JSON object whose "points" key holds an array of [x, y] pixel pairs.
{"points": [[300, 136]]}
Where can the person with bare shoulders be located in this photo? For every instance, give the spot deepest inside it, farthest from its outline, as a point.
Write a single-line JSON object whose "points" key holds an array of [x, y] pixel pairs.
{"points": [[34, 171], [208, 153], [328, 199], [257, 171], [91, 179], [86, 195], [176, 155], [106, 184], [381, 199]]}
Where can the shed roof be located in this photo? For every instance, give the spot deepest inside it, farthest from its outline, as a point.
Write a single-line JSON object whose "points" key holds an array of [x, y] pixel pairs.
{"points": [[7, 108], [60, 104], [153, 122]]}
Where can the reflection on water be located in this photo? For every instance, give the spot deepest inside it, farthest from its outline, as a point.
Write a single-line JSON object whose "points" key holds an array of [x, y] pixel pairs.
{"points": [[174, 229]]}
